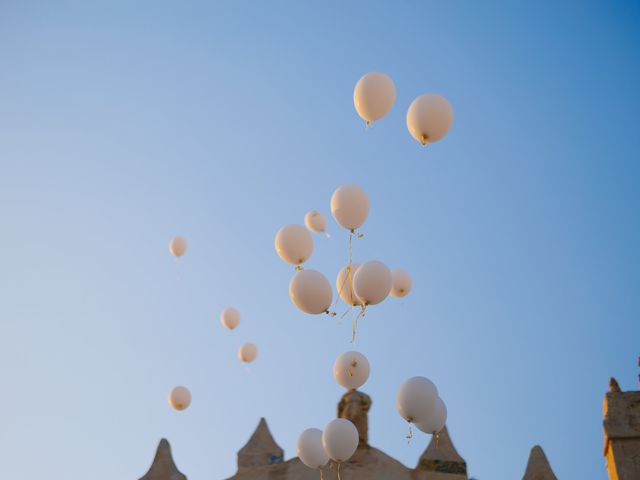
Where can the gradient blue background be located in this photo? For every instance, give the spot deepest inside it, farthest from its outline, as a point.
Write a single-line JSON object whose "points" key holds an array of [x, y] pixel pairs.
{"points": [[123, 124]]}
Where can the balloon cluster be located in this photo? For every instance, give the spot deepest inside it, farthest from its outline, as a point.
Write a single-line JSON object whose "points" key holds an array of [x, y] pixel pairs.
{"points": [[358, 285], [180, 396], [429, 116]]}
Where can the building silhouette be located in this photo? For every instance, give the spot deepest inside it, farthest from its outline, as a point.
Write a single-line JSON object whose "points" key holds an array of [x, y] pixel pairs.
{"points": [[261, 458]]}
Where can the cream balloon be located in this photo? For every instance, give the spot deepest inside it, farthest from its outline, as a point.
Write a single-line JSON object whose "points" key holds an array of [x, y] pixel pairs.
{"points": [[344, 285], [416, 399], [310, 450], [401, 284], [350, 206], [374, 96], [230, 318], [436, 422], [351, 370], [340, 439], [315, 222], [372, 282], [310, 291], [247, 352], [180, 398], [294, 244], [429, 118], [178, 246]]}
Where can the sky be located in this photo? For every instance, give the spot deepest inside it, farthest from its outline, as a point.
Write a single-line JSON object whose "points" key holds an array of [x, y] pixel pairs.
{"points": [[124, 124]]}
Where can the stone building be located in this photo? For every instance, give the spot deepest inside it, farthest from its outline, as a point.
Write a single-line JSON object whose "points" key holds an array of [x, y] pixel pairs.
{"points": [[263, 459], [622, 432]]}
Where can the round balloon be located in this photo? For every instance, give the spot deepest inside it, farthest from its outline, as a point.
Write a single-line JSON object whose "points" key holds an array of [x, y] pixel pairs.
{"points": [[374, 96], [416, 399], [178, 246], [315, 221], [310, 291], [350, 206], [351, 370], [247, 352], [340, 439], [344, 285], [180, 398], [401, 284], [310, 450], [230, 318], [294, 244], [372, 282], [429, 118], [436, 422]]}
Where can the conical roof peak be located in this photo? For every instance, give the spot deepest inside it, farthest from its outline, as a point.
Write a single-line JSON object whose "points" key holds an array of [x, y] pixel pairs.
{"points": [[261, 449], [442, 456], [441, 448], [261, 440], [163, 466], [538, 467]]}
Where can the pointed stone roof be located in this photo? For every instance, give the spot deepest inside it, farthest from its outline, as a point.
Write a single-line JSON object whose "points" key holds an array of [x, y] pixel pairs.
{"points": [[261, 449], [538, 467], [163, 466], [442, 456]]}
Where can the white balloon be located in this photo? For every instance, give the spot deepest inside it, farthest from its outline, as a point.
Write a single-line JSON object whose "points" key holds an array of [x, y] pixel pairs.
{"points": [[351, 370], [247, 352], [310, 450], [372, 282], [344, 285], [315, 221], [311, 292], [401, 284], [178, 246], [416, 399], [230, 318], [294, 244], [436, 421], [180, 398], [429, 118], [340, 439], [350, 206], [374, 96]]}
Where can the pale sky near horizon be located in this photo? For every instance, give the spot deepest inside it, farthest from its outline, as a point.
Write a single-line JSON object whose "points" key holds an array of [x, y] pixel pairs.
{"points": [[123, 124]]}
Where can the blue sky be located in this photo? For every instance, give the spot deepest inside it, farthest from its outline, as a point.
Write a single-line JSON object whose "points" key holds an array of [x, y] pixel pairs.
{"points": [[124, 124]]}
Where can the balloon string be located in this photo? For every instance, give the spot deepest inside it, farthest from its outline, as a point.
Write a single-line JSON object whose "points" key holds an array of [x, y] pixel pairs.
{"points": [[338, 470], [178, 274], [410, 434], [326, 234], [299, 268], [354, 324], [321, 474], [437, 439]]}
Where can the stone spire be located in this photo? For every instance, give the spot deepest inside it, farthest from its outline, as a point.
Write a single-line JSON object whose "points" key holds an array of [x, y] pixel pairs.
{"points": [[354, 406], [163, 467], [261, 449], [538, 467], [442, 456]]}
